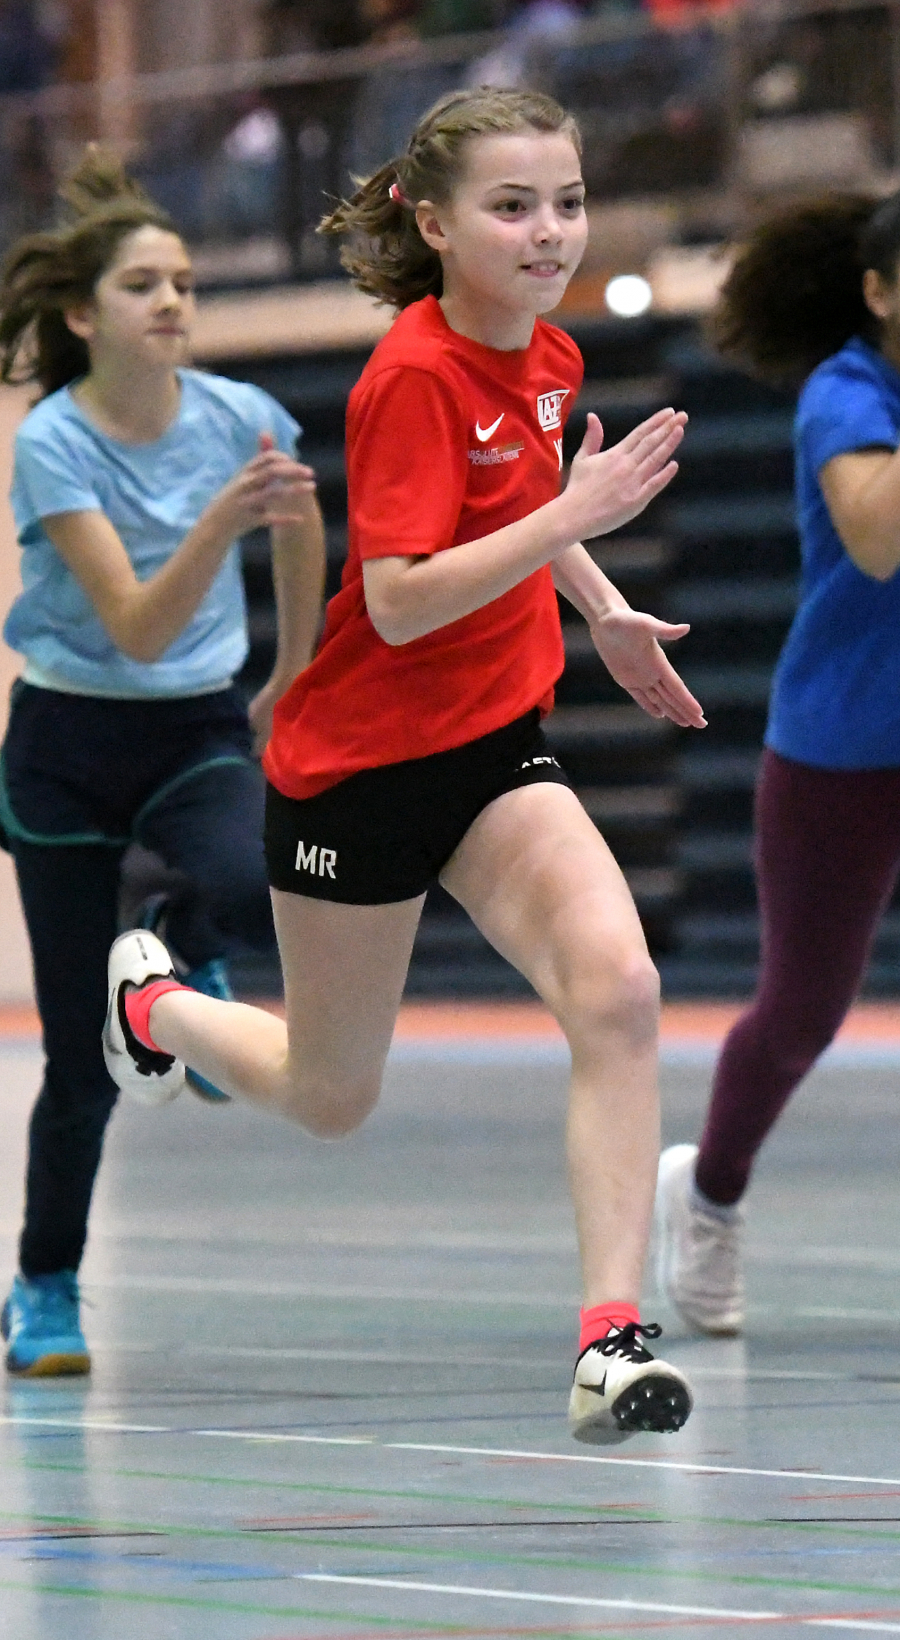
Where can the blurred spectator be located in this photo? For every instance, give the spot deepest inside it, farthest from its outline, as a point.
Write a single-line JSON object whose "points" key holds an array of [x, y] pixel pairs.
{"points": [[533, 27], [458, 16], [394, 96], [30, 39], [248, 176], [311, 25], [672, 11], [315, 121]]}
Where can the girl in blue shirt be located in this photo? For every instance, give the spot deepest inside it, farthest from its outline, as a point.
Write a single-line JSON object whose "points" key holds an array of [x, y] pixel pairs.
{"points": [[813, 297], [134, 478]]}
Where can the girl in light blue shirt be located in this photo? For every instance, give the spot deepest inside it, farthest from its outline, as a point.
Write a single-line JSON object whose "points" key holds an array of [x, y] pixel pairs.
{"points": [[134, 478]]}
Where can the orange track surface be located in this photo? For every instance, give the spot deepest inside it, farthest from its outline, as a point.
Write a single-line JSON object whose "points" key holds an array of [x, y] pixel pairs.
{"points": [[874, 1022]]}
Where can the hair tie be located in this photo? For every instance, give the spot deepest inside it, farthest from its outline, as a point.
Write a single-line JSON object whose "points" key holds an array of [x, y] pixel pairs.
{"points": [[397, 194]]}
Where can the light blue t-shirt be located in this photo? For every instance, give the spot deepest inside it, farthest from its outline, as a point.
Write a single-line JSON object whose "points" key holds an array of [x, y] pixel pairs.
{"points": [[836, 697], [152, 494]]}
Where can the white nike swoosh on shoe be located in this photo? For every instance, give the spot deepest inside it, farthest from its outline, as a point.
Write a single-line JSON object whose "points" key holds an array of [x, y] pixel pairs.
{"points": [[484, 433]]}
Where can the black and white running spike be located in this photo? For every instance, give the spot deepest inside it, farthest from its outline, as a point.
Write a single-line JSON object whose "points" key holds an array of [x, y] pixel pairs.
{"points": [[621, 1389], [135, 959]]}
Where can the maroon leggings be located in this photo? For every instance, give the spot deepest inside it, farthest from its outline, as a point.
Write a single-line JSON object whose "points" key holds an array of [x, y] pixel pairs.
{"points": [[827, 856]]}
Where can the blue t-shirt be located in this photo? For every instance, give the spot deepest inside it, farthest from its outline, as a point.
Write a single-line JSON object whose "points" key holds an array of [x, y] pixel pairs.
{"points": [[836, 697], [152, 494]]}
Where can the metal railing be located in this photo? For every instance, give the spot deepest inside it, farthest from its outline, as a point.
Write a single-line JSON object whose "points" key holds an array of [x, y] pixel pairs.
{"points": [[724, 107]]}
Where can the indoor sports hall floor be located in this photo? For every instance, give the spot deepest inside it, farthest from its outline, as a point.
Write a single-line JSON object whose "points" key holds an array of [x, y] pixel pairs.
{"points": [[330, 1380]]}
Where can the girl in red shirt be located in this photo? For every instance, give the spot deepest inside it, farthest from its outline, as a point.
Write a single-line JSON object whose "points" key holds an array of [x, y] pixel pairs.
{"points": [[411, 749]]}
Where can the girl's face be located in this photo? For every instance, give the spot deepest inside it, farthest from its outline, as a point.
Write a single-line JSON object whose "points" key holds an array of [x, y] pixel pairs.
{"points": [[143, 304], [515, 230]]}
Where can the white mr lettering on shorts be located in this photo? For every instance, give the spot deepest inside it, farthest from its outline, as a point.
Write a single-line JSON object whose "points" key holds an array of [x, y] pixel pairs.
{"points": [[549, 408], [306, 860]]}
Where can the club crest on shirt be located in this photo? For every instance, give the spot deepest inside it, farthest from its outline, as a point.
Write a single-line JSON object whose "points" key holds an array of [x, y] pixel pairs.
{"points": [[549, 406]]}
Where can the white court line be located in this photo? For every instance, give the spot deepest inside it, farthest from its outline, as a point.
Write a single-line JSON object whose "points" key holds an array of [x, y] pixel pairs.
{"points": [[237, 1287], [282, 1437], [590, 1602]]}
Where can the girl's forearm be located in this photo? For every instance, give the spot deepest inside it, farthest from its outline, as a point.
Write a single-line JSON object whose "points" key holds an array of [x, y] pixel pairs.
{"points": [[298, 573], [584, 584], [152, 613], [428, 593], [141, 617]]}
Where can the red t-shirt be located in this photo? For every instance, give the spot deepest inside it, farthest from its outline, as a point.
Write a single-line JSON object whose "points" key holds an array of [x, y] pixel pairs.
{"points": [[447, 441]]}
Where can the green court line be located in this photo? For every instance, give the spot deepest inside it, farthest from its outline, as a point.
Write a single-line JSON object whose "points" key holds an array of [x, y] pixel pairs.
{"points": [[237, 1607], [546, 1562], [329, 1489], [326, 1489]]}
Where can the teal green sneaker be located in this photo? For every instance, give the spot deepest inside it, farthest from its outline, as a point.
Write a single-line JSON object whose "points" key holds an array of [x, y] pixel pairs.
{"points": [[41, 1325], [211, 979]]}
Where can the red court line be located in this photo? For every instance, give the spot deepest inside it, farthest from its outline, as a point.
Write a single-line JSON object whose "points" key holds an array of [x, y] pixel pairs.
{"points": [[869, 1023]]}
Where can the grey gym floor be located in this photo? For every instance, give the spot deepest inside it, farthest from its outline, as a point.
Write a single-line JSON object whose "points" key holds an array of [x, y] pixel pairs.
{"points": [[330, 1381]]}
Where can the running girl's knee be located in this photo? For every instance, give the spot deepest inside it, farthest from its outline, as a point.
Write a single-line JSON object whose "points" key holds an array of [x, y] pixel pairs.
{"points": [[615, 996], [331, 1107]]}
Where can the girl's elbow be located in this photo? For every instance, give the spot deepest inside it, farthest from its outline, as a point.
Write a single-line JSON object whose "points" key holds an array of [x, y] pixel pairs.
{"points": [[879, 560], [138, 646], [389, 624]]}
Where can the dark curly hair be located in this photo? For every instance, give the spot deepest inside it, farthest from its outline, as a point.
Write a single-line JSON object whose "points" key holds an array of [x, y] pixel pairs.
{"points": [[387, 256], [46, 274], [794, 293]]}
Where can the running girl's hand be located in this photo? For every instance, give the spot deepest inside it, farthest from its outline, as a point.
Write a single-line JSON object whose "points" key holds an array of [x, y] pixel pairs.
{"points": [[273, 488], [260, 714], [606, 488], [628, 644]]}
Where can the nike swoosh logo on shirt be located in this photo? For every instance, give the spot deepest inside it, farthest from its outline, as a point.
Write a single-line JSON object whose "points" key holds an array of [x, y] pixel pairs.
{"points": [[484, 433]]}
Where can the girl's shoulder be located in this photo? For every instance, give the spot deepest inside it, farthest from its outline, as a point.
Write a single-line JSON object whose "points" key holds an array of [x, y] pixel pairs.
{"points": [[420, 340], [416, 339], [855, 368], [225, 405], [558, 347], [54, 414], [217, 393]]}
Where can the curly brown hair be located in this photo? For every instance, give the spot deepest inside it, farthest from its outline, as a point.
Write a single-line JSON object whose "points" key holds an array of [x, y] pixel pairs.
{"points": [[46, 274], [387, 256], [794, 294]]}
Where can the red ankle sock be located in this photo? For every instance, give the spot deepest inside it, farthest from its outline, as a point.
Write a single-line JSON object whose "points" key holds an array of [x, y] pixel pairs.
{"points": [[138, 1005], [597, 1322]]}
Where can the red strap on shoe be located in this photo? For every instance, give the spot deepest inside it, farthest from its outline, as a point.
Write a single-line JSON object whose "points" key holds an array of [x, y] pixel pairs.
{"points": [[597, 1322], [138, 1005]]}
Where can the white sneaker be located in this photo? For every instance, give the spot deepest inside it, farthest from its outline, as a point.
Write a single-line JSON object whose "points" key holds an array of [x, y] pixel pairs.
{"points": [[698, 1256], [621, 1389], [152, 1078]]}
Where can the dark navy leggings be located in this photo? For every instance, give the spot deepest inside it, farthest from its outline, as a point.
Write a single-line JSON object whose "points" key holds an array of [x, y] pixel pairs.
{"points": [[82, 778], [827, 857]]}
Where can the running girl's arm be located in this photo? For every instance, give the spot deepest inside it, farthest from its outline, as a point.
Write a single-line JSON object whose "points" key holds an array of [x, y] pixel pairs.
{"points": [[408, 597], [627, 641], [862, 492], [298, 573], [144, 617]]}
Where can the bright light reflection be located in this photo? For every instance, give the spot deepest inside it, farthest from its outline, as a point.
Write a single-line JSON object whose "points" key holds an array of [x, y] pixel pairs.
{"points": [[628, 295]]}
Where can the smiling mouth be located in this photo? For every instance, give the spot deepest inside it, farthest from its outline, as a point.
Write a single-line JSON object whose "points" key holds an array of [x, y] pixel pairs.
{"points": [[544, 270]]}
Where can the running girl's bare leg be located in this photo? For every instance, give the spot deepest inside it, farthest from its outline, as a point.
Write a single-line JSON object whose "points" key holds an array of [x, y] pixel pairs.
{"points": [[539, 881], [344, 971]]}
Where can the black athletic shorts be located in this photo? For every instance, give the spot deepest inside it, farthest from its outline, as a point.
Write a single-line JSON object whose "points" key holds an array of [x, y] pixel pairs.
{"points": [[386, 834]]}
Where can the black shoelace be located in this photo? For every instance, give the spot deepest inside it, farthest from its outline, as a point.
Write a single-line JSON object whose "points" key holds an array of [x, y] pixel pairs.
{"points": [[625, 1341]]}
